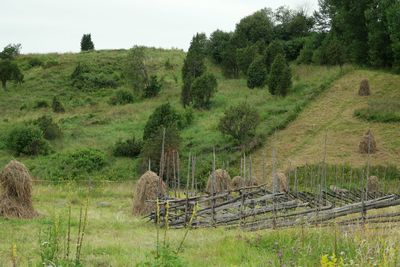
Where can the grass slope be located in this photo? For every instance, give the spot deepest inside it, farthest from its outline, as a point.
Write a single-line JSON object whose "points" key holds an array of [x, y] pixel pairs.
{"points": [[89, 121], [332, 114]]}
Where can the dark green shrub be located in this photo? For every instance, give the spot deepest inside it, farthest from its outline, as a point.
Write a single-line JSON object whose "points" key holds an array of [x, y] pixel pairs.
{"points": [[41, 104], [257, 73], [121, 97], [57, 106], [293, 47], [168, 65], [203, 89], [163, 116], [153, 88], [186, 118], [240, 122], [86, 77], [82, 161], [280, 77], [35, 62], [152, 148], [274, 48], [130, 148], [245, 57], [50, 129], [27, 140]]}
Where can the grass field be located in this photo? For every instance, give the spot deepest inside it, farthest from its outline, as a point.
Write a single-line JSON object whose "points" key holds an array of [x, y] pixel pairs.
{"points": [[114, 237]]}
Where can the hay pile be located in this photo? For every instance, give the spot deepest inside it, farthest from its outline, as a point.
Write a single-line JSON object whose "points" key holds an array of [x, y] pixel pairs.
{"points": [[367, 143], [16, 195], [223, 182], [282, 182], [373, 184], [238, 182], [147, 188], [364, 88]]}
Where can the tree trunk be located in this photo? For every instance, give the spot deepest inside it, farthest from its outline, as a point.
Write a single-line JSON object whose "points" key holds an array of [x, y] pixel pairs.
{"points": [[3, 83]]}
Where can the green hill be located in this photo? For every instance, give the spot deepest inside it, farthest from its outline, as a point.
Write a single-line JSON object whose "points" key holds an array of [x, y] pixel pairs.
{"points": [[90, 121]]}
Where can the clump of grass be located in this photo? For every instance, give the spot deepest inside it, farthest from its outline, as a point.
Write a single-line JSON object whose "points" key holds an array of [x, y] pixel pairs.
{"points": [[55, 243], [380, 110]]}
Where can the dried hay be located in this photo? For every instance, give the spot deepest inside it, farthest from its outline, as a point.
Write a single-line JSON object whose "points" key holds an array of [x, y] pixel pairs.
{"points": [[373, 184], [238, 182], [367, 143], [223, 182], [252, 182], [16, 195], [338, 190], [282, 182], [364, 88], [148, 187]]}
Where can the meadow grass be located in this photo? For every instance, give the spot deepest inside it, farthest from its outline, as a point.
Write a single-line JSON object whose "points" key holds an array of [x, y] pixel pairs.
{"points": [[114, 237], [89, 121]]}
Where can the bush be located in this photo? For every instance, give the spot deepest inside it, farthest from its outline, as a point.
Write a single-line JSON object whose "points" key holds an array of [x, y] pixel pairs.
{"points": [[34, 62], [57, 106], [121, 97], [86, 77], [168, 65], [130, 148], [83, 161], [280, 77], [257, 73], [202, 90], [152, 148], [153, 88], [41, 104], [50, 63], [163, 116], [274, 48], [245, 57], [27, 140], [50, 129], [240, 122]]}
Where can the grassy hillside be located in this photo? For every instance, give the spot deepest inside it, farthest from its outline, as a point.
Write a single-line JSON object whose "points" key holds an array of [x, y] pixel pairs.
{"points": [[333, 115], [89, 121]]}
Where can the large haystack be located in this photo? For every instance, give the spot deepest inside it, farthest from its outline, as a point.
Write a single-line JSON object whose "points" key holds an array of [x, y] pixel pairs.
{"points": [[16, 194], [222, 183], [282, 182], [364, 88], [148, 187], [367, 143], [238, 182], [373, 184]]}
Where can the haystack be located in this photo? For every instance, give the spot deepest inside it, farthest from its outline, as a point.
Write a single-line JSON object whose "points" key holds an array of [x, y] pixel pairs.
{"points": [[367, 144], [148, 187], [364, 88], [252, 182], [238, 182], [282, 182], [222, 183], [16, 195], [373, 184]]}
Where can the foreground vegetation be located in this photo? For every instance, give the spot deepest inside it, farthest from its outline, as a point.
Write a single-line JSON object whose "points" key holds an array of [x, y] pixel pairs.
{"points": [[113, 237]]}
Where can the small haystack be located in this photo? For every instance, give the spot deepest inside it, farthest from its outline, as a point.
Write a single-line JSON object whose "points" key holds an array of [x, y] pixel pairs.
{"points": [[252, 182], [338, 190], [364, 88], [367, 144], [16, 194], [373, 184], [238, 182], [148, 187], [282, 182], [223, 182]]}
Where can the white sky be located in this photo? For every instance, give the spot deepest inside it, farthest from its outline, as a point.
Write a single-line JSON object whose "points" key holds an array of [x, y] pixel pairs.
{"points": [[58, 25]]}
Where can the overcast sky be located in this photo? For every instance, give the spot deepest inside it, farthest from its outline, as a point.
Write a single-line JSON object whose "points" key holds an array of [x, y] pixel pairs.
{"points": [[57, 25]]}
